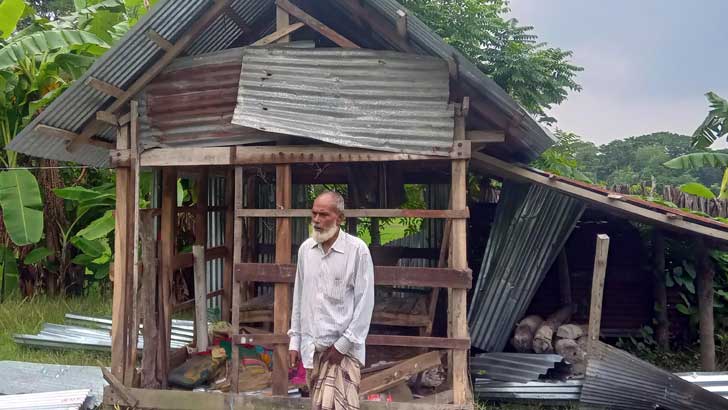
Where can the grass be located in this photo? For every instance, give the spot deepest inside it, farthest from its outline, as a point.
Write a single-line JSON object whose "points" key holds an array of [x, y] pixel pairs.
{"points": [[19, 315], [387, 233]]}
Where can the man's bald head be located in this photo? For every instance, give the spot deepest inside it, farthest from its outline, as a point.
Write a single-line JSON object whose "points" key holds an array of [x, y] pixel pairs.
{"points": [[333, 199]]}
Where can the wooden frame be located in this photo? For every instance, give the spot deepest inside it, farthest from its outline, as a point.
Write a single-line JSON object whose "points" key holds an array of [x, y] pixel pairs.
{"points": [[358, 213]]}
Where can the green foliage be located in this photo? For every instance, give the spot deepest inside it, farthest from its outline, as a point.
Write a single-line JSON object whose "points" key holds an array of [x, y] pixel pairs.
{"points": [[715, 125], [697, 189], [561, 159], [698, 160], [37, 255], [10, 13], [534, 74], [22, 206]]}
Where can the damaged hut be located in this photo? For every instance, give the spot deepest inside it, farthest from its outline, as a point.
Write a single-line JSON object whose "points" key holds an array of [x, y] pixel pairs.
{"points": [[256, 104]]}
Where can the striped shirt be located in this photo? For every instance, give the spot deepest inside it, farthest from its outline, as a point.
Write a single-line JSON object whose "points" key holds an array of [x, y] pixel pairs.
{"points": [[333, 298]]}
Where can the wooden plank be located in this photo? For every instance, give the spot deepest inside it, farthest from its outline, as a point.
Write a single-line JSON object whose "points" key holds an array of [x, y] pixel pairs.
{"points": [[662, 326], [160, 41], [235, 368], [316, 25], [198, 251], [397, 374], [278, 35], [188, 400], [457, 298], [190, 304], [66, 135], [375, 22], [401, 23], [383, 275], [597, 291], [260, 155], [119, 387], [186, 260], [106, 88], [485, 137], [200, 24], [107, 117], [492, 165], [372, 340], [168, 219], [119, 326], [148, 305], [358, 213], [282, 291], [283, 20]]}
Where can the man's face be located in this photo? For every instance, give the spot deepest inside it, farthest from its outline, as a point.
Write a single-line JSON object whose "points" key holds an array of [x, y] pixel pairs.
{"points": [[324, 215]]}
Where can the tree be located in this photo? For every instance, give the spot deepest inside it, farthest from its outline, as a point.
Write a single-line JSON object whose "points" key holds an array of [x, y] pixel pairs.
{"points": [[713, 128], [534, 74], [560, 159]]}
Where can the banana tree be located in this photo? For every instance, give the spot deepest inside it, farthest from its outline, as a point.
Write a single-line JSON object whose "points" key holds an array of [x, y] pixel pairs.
{"points": [[713, 128]]}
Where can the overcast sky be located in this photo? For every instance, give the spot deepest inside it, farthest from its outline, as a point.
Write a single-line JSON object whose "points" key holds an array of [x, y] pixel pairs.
{"points": [[647, 63]]}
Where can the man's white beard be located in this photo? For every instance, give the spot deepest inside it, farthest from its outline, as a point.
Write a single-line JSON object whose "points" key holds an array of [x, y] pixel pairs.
{"points": [[324, 235]]}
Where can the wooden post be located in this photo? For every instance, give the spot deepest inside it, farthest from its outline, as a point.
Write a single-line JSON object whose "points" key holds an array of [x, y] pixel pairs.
{"points": [[168, 225], [705, 308], [662, 330], [237, 194], [133, 287], [230, 235], [457, 303], [148, 302], [198, 253], [282, 307], [283, 20], [597, 292], [120, 324], [564, 278]]}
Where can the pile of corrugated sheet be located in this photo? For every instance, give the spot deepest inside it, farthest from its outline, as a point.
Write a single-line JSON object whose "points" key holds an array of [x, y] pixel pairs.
{"points": [[59, 400], [93, 333], [48, 378], [512, 367]]}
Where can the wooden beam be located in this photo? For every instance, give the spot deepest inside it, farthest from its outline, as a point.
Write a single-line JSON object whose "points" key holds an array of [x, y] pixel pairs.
{"points": [[282, 291], [108, 118], [662, 327], [54, 132], [120, 388], [457, 298], [148, 308], [358, 213], [485, 137], [160, 41], [106, 88], [295, 154], [402, 23], [597, 291], [201, 338], [316, 25], [200, 24], [133, 198], [230, 243], [278, 35], [235, 367], [495, 166], [383, 275], [190, 304], [188, 400], [377, 23], [119, 324], [235, 17], [372, 340], [168, 243], [283, 20], [399, 373], [705, 290], [186, 260]]}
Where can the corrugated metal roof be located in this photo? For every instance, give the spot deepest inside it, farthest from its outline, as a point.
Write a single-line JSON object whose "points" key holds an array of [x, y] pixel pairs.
{"points": [[46, 378], [716, 382], [617, 380], [531, 226], [351, 97], [552, 390], [57, 400], [131, 56], [513, 367]]}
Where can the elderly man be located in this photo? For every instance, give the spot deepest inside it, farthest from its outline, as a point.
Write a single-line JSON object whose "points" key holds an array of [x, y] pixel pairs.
{"points": [[333, 300]]}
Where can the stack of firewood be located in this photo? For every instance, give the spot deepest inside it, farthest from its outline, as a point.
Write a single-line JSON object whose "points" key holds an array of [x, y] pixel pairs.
{"points": [[554, 335]]}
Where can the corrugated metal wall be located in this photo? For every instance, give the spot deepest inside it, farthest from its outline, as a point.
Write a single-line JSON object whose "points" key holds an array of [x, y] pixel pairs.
{"points": [[216, 225], [531, 225], [380, 100]]}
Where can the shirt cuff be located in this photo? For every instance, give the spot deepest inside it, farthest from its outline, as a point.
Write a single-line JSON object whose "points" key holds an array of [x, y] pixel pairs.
{"points": [[343, 345], [295, 343]]}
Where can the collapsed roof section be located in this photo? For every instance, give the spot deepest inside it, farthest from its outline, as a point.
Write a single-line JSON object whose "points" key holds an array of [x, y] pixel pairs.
{"points": [[79, 125]]}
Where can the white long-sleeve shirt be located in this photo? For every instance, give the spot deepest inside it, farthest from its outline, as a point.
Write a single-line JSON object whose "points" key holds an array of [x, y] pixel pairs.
{"points": [[333, 298]]}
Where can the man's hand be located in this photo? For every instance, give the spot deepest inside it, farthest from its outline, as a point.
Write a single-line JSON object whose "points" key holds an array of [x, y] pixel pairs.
{"points": [[332, 356], [293, 358]]}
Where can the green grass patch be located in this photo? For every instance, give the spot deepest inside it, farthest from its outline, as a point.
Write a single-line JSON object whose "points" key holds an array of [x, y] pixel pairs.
{"points": [[22, 315], [388, 233]]}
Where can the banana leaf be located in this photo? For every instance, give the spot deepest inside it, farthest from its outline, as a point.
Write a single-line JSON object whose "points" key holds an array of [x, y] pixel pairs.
{"points": [[698, 160], [10, 12], [22, 206], [43, 42]]}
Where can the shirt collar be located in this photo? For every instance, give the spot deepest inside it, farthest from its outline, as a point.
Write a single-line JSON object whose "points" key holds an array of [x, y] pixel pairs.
{"points": [[338, 245]]}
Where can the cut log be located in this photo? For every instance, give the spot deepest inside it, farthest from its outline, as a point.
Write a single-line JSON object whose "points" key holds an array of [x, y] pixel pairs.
{"points": [[570, 350], [525, 330], [543, 339], [572, 331]]}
